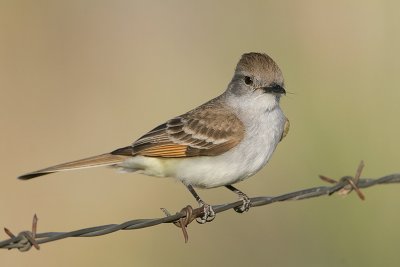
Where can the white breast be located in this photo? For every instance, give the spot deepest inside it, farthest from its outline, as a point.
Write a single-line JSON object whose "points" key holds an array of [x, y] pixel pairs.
{"points": [[241, 162]]}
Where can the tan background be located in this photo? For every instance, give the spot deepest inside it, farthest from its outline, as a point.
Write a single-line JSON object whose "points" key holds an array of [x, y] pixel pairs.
{"points": [[78, 78]]}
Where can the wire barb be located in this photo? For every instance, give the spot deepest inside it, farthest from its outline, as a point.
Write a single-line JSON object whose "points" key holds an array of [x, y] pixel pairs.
{"points": [[183, 222], [352, 183], [27, 239]]}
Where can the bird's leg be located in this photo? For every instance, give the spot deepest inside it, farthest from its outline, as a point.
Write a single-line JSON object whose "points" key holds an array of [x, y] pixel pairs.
{"points": [[209, 213], [246, 200]]}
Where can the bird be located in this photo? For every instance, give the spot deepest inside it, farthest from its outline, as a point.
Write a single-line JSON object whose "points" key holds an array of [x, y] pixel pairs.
{"points": [[219, 143]]}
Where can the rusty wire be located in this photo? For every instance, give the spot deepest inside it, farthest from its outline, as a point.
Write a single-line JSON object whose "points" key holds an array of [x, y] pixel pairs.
{"points": [[27, 239]]}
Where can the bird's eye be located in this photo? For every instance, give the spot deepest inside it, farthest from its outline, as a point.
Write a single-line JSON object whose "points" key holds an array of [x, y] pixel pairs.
{"points": [[248, 80]]}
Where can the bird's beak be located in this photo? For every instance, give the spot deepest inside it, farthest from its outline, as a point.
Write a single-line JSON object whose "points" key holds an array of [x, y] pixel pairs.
{"points": [[274, 89]]}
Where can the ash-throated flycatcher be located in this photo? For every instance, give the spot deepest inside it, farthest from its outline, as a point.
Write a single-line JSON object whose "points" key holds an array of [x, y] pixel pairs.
{"points": [[219, 143]]}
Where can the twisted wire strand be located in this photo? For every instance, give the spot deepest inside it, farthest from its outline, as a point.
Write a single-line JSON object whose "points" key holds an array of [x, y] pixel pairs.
{"points": [[26, 239]]}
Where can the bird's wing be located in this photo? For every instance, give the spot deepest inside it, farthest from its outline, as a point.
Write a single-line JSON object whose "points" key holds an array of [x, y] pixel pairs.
{"points": [[285, 129], [209, 130], [205, 131]]}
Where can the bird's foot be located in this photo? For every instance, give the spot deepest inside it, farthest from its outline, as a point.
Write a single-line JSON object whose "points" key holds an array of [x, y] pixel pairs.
{"points": [[208, 213], [246, 203]]}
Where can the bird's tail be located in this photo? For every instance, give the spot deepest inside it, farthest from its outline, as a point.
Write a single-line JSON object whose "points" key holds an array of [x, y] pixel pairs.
{"points": [[107, 159]]}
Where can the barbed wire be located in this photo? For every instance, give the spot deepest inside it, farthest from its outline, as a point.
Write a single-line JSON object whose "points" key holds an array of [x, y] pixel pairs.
{"points": [[26, 239]]}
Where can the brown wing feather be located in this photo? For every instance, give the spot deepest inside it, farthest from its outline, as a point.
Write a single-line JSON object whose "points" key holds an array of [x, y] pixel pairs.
{"points": [[209, 130], [169, 150]]}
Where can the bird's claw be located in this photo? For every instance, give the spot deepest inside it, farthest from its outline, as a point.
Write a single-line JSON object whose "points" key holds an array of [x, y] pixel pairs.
{"points": [[208, 213], [245, 206]]}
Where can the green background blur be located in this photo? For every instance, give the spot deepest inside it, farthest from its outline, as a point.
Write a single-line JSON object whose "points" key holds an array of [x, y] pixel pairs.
{"points": [[79, 78]]}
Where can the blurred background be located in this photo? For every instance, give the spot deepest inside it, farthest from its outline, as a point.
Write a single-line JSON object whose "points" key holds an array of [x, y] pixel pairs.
{"points": [[79, 78]]}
